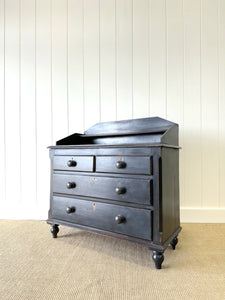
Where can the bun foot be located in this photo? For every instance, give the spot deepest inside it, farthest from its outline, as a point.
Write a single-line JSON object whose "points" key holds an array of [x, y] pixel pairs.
{"points": [[174, 242], [158, 259], [54, 230]]}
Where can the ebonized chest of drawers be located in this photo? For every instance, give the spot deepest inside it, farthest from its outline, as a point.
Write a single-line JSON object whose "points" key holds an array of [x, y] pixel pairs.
{"points": [[119, 179]]}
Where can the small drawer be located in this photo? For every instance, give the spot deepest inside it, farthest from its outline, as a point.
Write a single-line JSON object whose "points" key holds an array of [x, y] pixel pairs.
{"points": [[74, 163], [124, 164], [114, 188], [126, 220]]}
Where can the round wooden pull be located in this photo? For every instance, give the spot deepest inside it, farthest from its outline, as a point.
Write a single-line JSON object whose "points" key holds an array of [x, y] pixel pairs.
{"points": [[70, 209], [120, 219], [120, 190], [71, 163], [120, 164], [71, 185]]}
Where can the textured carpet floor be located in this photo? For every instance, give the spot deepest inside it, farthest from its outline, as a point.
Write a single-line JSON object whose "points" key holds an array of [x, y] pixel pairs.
{"points": [[81, 265]]}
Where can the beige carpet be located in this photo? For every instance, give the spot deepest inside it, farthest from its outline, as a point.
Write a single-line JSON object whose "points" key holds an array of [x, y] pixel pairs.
{"points": [[81, 265]]}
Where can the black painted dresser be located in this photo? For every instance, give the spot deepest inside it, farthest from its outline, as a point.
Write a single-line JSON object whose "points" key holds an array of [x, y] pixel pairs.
{"points": [[119, 179]]}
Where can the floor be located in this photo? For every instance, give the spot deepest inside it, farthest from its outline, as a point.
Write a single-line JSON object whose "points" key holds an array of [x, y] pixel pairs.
{"points": [[81, 265]]}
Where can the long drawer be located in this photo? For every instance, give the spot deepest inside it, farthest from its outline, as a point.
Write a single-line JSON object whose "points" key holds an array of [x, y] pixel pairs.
{"points": [[124, 164], [73, 163], [126, 220], [121, 189]]}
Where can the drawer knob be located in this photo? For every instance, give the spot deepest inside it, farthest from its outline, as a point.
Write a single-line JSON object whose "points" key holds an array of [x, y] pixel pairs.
{"points": [[71, 163], [120, 219], [71, 185], [70, 209], [120, 164], [120, 190]]}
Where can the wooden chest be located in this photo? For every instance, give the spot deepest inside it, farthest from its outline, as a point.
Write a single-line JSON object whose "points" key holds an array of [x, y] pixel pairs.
{"points": [[119, 179]]}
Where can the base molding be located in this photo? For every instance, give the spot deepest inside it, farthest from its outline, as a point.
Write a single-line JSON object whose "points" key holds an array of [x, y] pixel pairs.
{"points": [[202, 215]]}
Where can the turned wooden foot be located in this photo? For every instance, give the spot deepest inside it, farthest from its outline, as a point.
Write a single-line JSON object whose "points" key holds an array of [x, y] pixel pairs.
{"points": [[158, 258], [174, 242], [54, 230]]}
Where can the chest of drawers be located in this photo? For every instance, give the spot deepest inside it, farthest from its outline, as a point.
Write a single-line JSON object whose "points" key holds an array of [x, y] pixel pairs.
{"points": [[119, 179]]}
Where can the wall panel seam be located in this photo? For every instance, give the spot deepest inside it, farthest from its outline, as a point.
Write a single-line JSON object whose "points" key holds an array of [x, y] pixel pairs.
{"points": [[201, 142], [218, 86], [35, 97], [20, 133]]}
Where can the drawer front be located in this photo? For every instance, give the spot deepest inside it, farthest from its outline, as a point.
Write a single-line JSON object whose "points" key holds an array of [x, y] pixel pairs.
{"points": [[124, 164], [74, 163], [121, 189], [126, 220]]}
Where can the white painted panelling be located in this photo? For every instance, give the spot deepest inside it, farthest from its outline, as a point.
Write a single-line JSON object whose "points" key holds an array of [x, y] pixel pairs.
{"points": [[175, 72], [75, 66], [2, 104], [192, 104], [124, 59], [59, 69], [43, 103], [221, 110], [67, 64], [209, 103], [13, 199], [28, 104], [157, 57], [91, 63], [140, 58], [107, 60]]}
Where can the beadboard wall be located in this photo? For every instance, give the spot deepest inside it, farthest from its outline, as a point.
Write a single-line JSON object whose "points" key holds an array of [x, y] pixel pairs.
{"points": [[67, 64]]}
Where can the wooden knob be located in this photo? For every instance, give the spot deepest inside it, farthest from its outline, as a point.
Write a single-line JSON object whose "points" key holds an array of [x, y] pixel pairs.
{"points": [[70, 209], [120, 190], [120, 164], [71, 163], [71, 185], [120, 219]]}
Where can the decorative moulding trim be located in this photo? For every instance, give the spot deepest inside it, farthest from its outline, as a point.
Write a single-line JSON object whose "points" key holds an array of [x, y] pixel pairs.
{"points": [[202, 215]]}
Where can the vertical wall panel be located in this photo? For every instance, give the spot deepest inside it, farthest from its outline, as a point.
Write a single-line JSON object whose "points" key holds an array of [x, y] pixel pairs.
{"points": [[91, 62], [209, 93], [175, 73], [28, 104], [75, 66], [107, 60], [124, 66], [12, 105], [43, 103], [2, 103], [140, 58], [174, 61], [59, 69], [221, 60], [192, 104], [157, 52]]}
